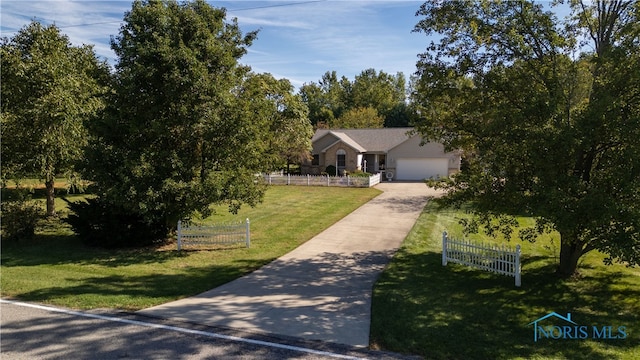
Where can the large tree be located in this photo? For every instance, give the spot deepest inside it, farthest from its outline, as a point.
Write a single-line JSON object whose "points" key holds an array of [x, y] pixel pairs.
{"points": [[548, 114], [50, 89], [181, 131], [286, 116]]}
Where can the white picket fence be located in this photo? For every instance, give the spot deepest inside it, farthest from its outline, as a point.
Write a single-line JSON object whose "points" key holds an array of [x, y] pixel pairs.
{"points": [[498, 259], [231, 233], [321, 180]]}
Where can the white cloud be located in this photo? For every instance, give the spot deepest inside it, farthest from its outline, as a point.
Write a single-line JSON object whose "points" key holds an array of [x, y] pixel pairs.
{"points": [[262, 22], [299, 41], [84, 22]]}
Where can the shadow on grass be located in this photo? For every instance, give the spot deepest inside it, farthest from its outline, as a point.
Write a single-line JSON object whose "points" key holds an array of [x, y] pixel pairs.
{"points": [[155, 287], [37, 191], [455, 312], [68, 249], [126, 278]]}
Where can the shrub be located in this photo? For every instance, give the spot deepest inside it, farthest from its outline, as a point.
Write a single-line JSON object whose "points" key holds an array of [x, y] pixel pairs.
{"points": [[102, 224], [331, 170], [19, 219], [359, 173]]}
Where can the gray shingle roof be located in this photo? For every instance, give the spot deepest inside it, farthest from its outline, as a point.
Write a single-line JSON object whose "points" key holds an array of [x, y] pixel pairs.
{"points": [[348, 140], [368, 140]]}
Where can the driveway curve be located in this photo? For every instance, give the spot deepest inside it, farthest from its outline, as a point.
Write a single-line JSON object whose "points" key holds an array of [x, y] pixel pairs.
{"points": [[321, 290]]}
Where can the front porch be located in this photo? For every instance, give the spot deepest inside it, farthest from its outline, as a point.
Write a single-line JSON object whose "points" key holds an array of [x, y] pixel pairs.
{"points": [[372, 163]]}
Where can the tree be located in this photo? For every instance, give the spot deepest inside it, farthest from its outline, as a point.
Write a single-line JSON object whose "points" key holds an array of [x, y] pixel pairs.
{"points": [[549, 129], [181, 131], [327, 99], [378, 90], [50, 89], [359, 118], [287, 117], [401, 115], [332, 98]]}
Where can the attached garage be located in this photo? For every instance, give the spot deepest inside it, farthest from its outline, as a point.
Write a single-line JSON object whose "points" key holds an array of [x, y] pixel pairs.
{"points": [[420, 169]]}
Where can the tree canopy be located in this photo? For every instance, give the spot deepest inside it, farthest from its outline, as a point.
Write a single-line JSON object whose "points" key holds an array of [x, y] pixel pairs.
{"points": [[286, 116], [50, 89], [187, 125], [547, 112], [359, 118], [332, 97]]}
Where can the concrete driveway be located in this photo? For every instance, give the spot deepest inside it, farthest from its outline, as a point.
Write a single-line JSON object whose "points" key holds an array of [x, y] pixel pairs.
{"points": [[322, 289]]}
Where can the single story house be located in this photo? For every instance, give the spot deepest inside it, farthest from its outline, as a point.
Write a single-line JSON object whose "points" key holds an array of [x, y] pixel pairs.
{"points": [[395, 152]]}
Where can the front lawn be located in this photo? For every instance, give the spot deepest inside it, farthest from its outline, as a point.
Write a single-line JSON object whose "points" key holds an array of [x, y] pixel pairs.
{"points": [[454, 312], [56, 268]]}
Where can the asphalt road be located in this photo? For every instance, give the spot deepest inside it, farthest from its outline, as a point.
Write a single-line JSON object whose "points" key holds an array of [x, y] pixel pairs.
{"points": [[30, 331]]}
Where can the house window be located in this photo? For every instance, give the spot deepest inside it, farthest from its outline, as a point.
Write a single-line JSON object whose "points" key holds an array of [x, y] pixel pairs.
{"points": [[315, 160], [341, 158]]}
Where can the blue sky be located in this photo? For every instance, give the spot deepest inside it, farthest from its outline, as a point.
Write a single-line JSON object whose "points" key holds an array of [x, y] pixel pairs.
{"points": [[299, 40]]}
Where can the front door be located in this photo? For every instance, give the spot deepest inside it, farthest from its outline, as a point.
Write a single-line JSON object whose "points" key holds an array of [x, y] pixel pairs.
{"points": [[341, 161]]}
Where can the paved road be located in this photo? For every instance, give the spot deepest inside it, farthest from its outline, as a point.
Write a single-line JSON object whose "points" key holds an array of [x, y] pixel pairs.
{"points": [[34, 332], [321, 290]]}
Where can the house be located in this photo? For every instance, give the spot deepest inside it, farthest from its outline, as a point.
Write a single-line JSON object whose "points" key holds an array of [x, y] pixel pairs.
{"points": [[395, 152]]}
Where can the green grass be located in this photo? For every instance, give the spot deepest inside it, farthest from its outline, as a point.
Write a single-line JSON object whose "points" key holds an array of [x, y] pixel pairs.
{"points": [[56, 268], [454, 312], [34, 183]]}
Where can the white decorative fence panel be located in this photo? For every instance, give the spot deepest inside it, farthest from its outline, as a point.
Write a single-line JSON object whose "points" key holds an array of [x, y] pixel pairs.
{"points": [[321, 180], [498, 259], [232, 233]]}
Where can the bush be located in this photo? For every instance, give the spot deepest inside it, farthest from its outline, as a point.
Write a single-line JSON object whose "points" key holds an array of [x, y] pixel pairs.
{"points": [[19, 219], [359, 173], [102, 224], [331, 170]]}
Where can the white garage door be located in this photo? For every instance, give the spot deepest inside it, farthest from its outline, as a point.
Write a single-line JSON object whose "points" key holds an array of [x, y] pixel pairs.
{"points": [[420, 169]]}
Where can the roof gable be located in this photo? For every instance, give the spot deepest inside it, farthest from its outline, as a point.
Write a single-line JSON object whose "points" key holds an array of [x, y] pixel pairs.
{"points": [[347, 140]]}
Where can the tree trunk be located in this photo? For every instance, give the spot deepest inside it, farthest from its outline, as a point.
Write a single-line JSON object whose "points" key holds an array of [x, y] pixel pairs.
{"points": [[51, 197], [570, 253]]}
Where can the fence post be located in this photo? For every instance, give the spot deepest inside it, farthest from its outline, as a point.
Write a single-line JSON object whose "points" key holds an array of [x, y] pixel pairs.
{"points": [[308, 179], [179, 234], [444, 248], [248, 237], [328, 179], [517, 266], [288, 179]]}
